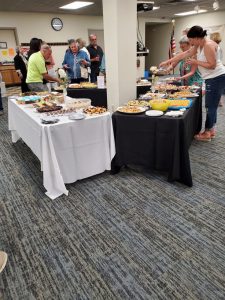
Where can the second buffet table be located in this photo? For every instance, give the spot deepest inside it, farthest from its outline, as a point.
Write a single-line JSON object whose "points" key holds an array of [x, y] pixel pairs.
{"points": [[159, 143], [99, 96], [68, 150]]}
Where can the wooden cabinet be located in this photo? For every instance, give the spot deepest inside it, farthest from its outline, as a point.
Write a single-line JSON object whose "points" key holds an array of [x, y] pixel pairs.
{"points": [[9, 75]]}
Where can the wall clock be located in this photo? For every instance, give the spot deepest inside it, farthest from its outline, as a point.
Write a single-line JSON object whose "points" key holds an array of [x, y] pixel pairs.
{"points": [[57, 24]]}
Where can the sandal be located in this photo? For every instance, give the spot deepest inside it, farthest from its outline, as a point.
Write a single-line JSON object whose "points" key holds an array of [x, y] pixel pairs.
{"points": [[204, 136]]}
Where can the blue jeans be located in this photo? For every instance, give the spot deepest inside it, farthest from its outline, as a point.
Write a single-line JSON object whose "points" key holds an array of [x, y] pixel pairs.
{"points": [[1, 107], [214, 90]]}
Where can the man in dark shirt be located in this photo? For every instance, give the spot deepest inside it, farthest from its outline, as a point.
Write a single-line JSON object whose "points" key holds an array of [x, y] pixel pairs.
{"points": [[96, 54], [20, 63]]}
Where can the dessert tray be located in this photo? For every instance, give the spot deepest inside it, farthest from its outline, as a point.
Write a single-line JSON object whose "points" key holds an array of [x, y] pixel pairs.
{"points": [[127, 109]]}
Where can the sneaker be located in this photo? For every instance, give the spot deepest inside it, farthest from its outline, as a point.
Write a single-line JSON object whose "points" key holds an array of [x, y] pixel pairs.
{"points": [[203, 136], [1, 112], [3, 260]]}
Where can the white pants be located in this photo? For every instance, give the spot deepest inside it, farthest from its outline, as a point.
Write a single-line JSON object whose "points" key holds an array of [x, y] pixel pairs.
{"points": [[52, 85]]}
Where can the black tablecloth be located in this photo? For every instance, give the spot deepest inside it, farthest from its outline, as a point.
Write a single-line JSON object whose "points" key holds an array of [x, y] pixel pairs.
{"points": [[143, 89], [159, 143], [98, 96]]}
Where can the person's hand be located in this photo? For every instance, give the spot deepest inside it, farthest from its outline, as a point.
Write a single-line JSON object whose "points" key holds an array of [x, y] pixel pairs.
{"points": [[84, 62], [97, 58], [178, 78], [168, 69], [164, 64], [66, 67], [191, 61]]}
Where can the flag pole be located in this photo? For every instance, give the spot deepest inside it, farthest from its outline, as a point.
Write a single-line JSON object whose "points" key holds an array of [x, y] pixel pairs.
{"points": [[172, 47]]}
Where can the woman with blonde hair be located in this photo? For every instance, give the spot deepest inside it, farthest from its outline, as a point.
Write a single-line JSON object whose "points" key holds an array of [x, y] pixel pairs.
{"points": [[216, 37]]}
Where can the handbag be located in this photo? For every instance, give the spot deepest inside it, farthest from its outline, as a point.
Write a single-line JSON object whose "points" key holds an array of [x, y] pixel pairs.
{"points": [[84, 72]]}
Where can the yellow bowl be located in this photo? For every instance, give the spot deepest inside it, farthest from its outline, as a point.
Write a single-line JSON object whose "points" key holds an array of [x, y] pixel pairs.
{"points": [[160, 104]]}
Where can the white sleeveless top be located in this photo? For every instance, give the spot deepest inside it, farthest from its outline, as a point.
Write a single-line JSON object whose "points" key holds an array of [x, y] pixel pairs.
{"points": [[210, 73]]}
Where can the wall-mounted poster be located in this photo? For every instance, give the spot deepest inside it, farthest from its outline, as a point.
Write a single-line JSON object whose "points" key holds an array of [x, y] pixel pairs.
{"points": [[3, 45], [11, 52], [4, 53]]}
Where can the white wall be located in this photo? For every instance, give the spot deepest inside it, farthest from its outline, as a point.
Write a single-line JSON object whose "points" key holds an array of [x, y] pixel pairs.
{"points": [[145, 60], [158, 36], [30, 25]]}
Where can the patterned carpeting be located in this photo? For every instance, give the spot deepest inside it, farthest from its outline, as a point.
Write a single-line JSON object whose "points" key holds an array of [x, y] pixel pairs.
{"points": [[128, 236]]}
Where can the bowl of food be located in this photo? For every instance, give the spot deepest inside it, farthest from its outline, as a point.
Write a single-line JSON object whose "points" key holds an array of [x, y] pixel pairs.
{"points": [[160, 104]]}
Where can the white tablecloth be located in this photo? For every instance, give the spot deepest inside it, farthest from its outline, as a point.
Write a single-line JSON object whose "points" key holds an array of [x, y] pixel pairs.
{"points": [[68, 150]]}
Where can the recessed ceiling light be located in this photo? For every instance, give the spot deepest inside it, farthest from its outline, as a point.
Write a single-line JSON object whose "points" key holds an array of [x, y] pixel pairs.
{"points": [[76, 5], [156, 7], [191, 12]]}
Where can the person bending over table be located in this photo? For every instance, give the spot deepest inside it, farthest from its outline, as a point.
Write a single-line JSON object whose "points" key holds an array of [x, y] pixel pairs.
{"points": [[189, 74], [37, 71], [212, 71], [74, 61]]}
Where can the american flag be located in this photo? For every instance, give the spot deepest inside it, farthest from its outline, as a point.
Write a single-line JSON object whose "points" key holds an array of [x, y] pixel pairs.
{"points": [[172, 47]]}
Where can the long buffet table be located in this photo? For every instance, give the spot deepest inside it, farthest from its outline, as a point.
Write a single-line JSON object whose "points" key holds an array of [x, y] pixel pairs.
{"points": [[68, 150], [99, 96], [73, 150], [159, 143]]}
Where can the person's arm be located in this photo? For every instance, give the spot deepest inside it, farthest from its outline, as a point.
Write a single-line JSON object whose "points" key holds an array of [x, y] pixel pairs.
{"points": [[64, 63], [210, 54], [86, 60], [95, 59], [189, 74], [171, 67], [52, 61], [182, 55], [17, 67], [47, 77]]}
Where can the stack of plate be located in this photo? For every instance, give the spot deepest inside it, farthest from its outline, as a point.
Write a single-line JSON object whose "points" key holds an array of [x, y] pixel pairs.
{"points": [[49, 120], [77, 116]]}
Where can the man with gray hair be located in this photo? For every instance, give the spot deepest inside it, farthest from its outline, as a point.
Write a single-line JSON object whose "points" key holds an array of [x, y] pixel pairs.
{"points": [[37, 71], [96, 54]]}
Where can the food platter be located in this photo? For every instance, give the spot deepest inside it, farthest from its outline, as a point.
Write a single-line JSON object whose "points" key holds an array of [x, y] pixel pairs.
{"points": [[184, 94], [47, 108], [95, 110], [133, 110], [75, 86], [153, 95], [138, 103], [28, 99], [178, 104]]}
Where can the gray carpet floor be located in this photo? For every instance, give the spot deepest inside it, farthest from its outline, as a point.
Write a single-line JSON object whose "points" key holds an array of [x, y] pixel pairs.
{"points": [[128, 236]]}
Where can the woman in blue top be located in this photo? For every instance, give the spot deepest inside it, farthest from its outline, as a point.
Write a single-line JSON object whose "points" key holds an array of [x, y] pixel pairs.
{"points": [[74, 59]]}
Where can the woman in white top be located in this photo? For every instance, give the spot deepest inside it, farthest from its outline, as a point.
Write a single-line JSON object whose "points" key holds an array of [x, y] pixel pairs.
{"points": [[216, 37], [212, 71]]}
